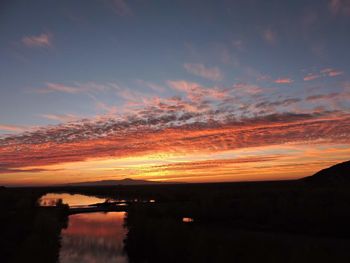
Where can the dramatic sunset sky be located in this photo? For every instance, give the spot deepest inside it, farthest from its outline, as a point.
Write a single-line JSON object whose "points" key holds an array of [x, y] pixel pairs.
{"points": [[182, 90]]}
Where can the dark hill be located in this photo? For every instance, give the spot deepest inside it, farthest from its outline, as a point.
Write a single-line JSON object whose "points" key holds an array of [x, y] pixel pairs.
{"points": [[336, 174], [127, 181]]}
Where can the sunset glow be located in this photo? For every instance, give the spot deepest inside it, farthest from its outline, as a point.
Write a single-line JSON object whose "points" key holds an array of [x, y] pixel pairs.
{"points": [[267, 102]]}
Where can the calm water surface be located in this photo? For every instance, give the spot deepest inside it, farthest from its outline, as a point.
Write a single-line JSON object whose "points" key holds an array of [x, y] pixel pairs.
{"points": [[90, 237], [72, 200], [94, 238]]}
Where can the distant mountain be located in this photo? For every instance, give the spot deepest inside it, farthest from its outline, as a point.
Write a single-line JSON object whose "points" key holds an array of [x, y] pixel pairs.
{"points": [[336, 174], [127, 181]]}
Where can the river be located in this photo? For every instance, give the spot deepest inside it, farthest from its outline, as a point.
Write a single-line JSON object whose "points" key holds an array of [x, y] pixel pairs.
{"points": [[90, 237]]}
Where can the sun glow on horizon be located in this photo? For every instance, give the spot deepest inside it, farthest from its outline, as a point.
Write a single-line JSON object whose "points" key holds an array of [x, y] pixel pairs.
{"points": [[277, 162]]}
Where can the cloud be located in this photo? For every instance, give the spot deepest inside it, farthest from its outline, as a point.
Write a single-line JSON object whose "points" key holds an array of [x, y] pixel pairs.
{"points": [[204, 165], [57, 87], [283, 81], [200, 70], [60, 117], [247, 88], [42, 40], [331, 72], [311, 76], [269, 36], [156, 130], [205, 120], [13, 128], [122, 8], [284, 103], [334, 96], [33, 170], [326, 72], [196, 92], [339, 7], [76, 88]]}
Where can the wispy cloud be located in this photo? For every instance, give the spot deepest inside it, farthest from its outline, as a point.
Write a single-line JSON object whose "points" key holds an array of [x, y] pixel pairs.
{"points": [[13, 170], [42, 40], [76, 88], [203, 166], [331, 72], [283, 81], [60, 117], [196, 92], [311, 76], [269, 36], [247, 88], [153, 86], [201, 70], [326, 72], [13, 128], [329, 96]]}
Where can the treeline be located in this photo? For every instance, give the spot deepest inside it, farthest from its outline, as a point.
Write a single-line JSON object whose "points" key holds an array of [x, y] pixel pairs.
{"points": [[266, 222], [29, 233]]}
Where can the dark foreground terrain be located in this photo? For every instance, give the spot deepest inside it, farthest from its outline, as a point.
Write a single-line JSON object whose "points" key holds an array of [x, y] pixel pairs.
{"points": [[291, 221]]}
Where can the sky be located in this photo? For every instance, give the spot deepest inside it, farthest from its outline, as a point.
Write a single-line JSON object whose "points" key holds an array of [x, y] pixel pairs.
{"points": [[184, 91]]}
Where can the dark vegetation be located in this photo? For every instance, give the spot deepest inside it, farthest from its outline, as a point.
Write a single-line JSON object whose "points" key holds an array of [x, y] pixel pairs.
{"points": [[291, 221], [29, 233]]}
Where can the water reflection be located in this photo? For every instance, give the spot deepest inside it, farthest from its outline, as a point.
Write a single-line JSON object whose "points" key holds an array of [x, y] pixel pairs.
{"points": [[73, 200], [94, 238]]}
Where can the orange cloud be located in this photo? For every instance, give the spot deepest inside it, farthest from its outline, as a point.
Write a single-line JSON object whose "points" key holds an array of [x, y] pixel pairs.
{"points": [[81, 141]]}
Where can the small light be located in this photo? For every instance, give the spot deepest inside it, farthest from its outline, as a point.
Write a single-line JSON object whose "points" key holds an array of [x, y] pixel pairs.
{"points": [[187, 220]]}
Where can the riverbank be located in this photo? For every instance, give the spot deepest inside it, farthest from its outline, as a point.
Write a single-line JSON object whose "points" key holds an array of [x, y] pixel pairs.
{"points": [[29, 233]]}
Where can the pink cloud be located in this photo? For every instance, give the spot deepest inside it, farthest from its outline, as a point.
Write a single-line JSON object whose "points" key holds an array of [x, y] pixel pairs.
{"points": [[311, 76], [13, 128], [196, 92], [42, 40], [283, 81], [326, 72], [200, 70], [331, 72]]}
